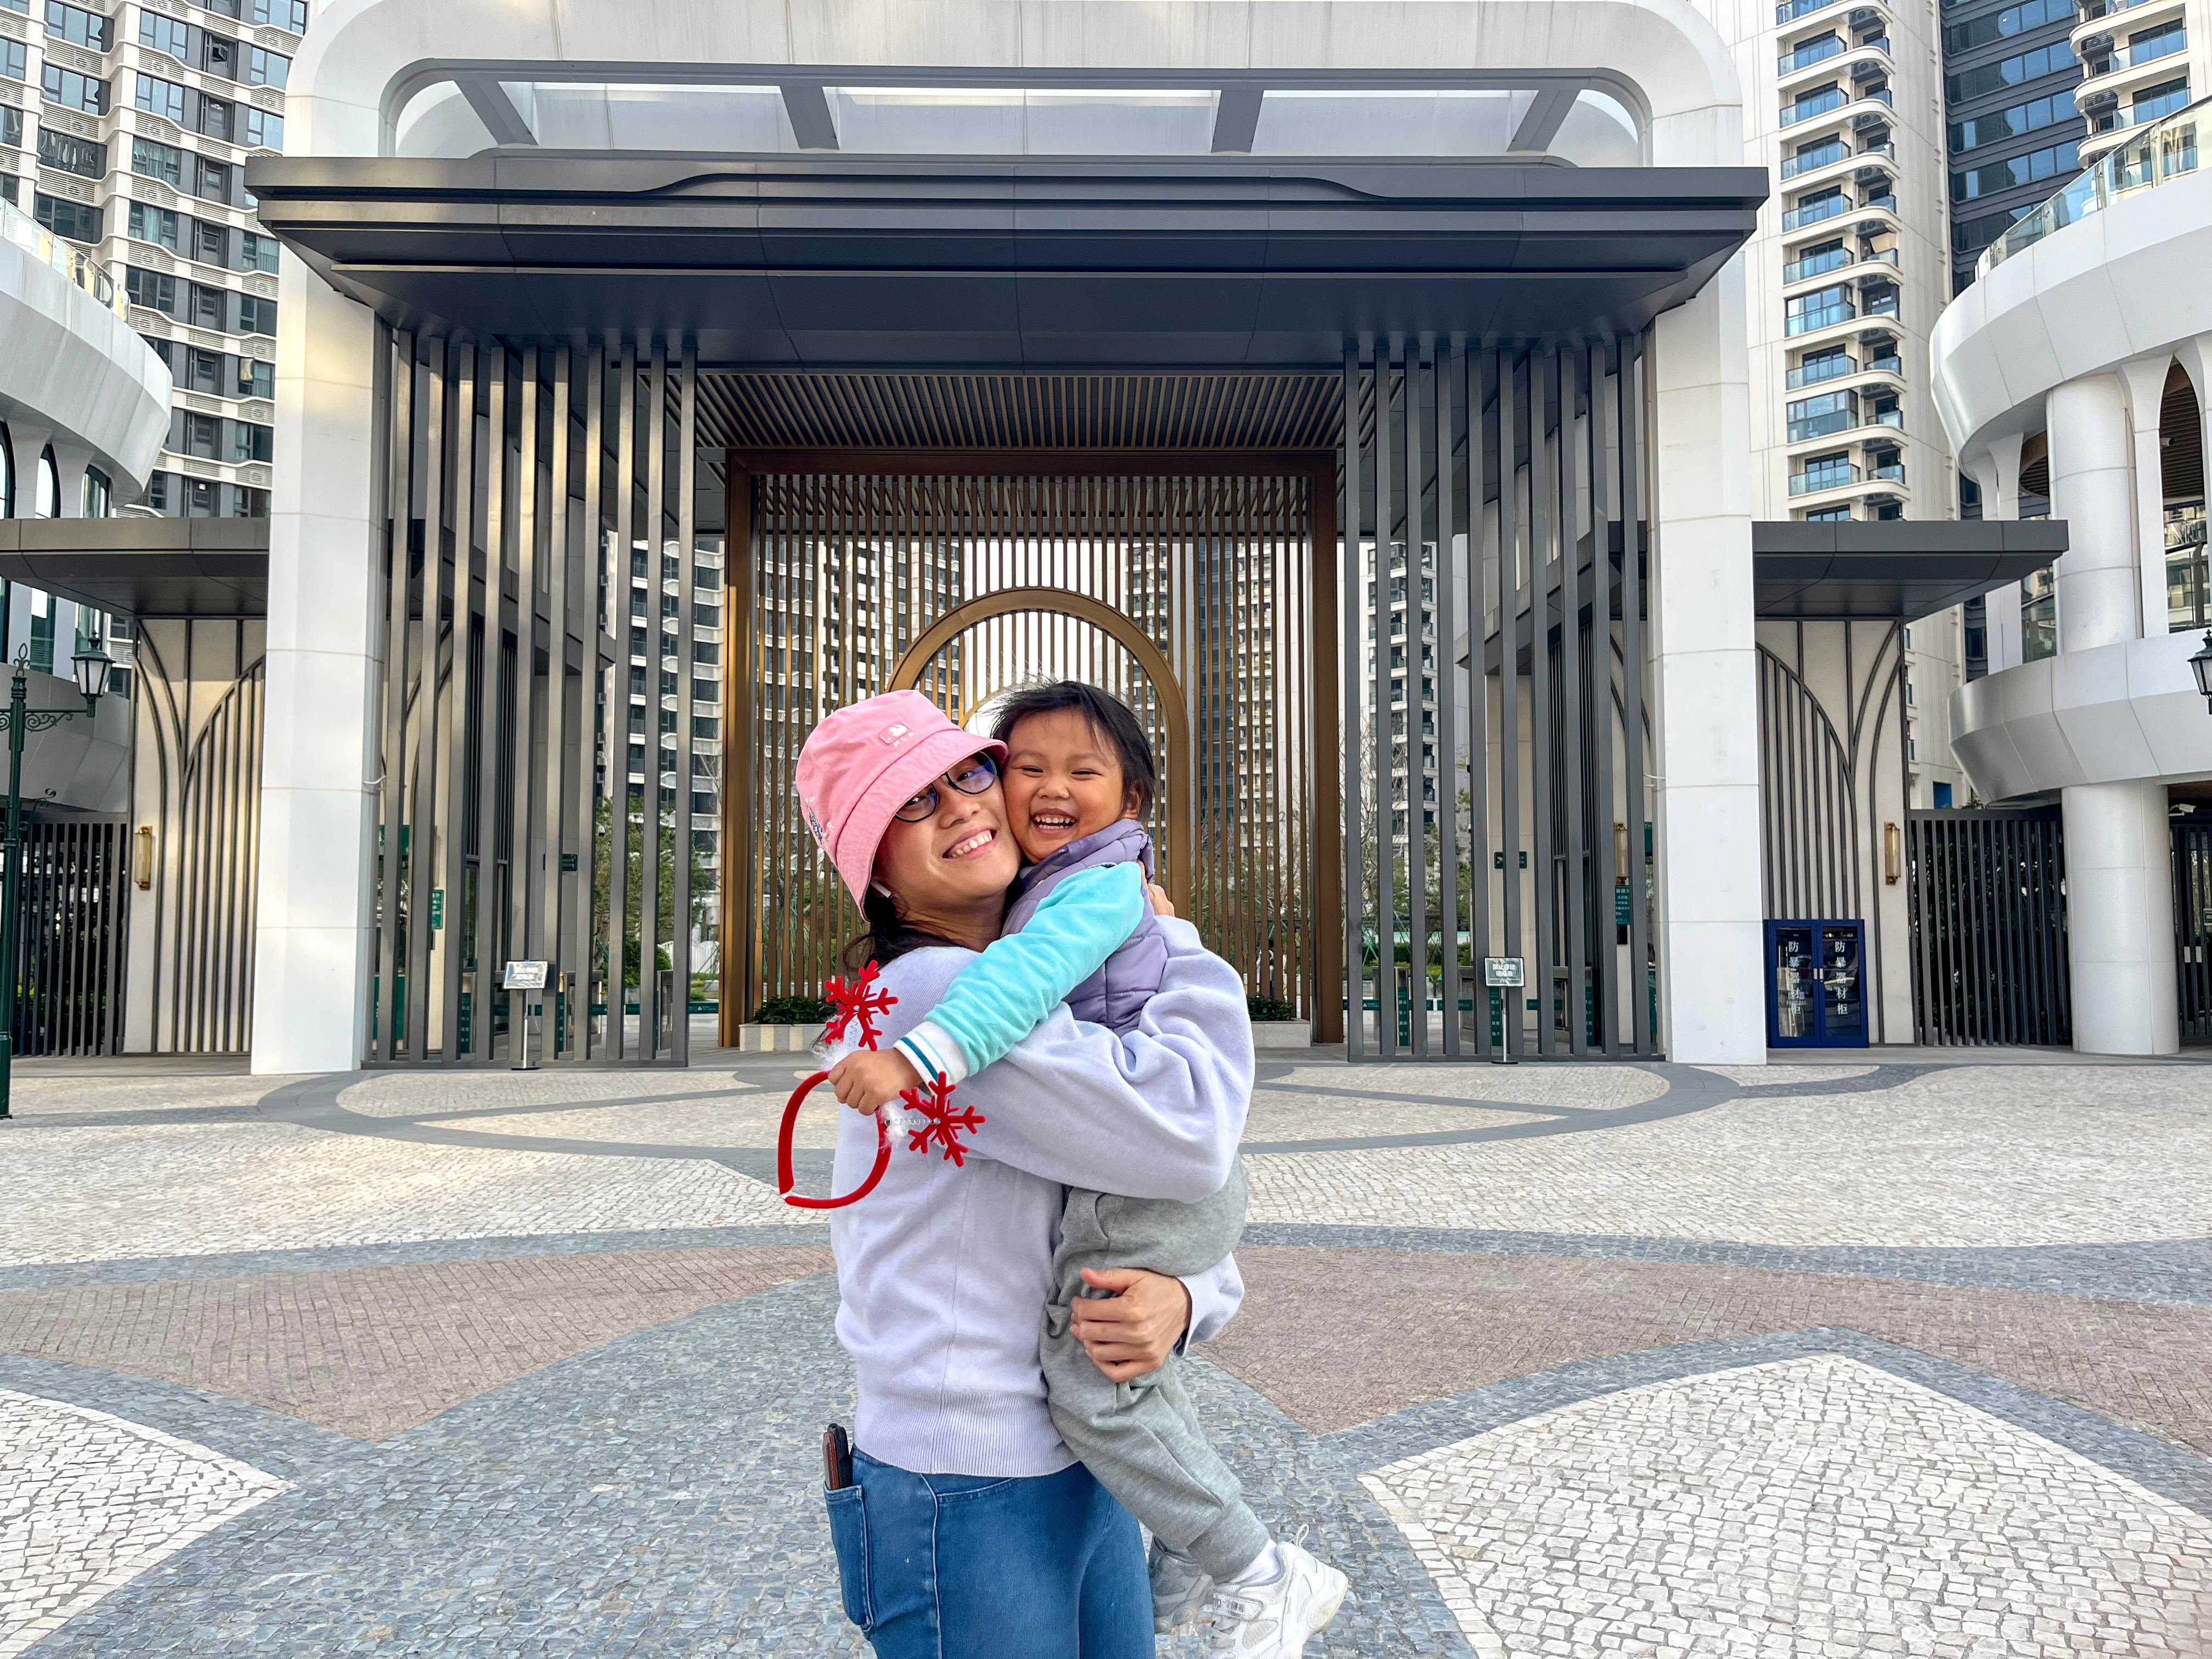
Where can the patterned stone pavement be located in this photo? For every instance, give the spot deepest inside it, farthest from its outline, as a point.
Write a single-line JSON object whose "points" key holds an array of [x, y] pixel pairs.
{"points": [[1556, 1359]]}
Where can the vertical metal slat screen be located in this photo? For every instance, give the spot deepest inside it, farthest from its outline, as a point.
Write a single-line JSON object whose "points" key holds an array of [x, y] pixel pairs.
{"points": [[551, 702], [1988, 894], [72, 934], [1493, 677]]}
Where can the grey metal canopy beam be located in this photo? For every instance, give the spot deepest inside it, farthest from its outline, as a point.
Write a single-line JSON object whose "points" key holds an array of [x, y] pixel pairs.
{"points": [[495, 110], [1237, 117], [1540, 123], [807, 104], [143, 567]]}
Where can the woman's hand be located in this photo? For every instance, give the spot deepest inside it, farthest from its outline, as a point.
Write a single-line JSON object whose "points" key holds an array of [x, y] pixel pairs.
{"points": [[1132, 1332]]}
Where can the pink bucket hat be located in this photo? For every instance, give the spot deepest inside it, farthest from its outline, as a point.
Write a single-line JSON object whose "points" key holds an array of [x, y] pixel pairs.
{"points": [[866, 761]]}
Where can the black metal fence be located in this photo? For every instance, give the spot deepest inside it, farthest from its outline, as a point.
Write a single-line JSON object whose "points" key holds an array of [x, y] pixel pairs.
{"points": [[69, 953], [1988, 928], [2192, 927]]}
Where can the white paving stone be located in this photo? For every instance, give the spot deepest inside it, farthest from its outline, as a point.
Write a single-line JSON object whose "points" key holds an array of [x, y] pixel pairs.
{"points": [[1810, 1509], [87, 1502], [97, 1194], [1593, 1088], [1991, 1157]]}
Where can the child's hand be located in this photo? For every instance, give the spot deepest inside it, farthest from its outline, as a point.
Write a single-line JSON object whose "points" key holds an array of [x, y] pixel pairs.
{"points": [[1162, 905], [868, 1081]]}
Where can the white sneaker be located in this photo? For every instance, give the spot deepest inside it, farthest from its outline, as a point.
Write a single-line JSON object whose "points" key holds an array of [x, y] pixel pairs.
{"points": [[1273, 1620], [1179, 1586]]}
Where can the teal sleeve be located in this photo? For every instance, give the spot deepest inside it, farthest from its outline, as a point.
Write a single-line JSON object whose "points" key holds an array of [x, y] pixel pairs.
{"points": [[1002, 996]]}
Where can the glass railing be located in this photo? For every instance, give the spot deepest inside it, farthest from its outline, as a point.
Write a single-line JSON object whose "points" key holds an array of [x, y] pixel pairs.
{"points": [[2163, 151], [1819, 370], [1887, 417], [1804, 322], [1826, 206], [2039, 615], [1812, 53], [1879, 43], [1887, 365], [1823, 425], [1819, 265], [1886, 202], [1790, 10], [1894, 473], [63, 255], [1882, 305], [1833, 151], [1825, 477], [1806, 108], [2143, 112], [1879, 95], [2188, 578], [2149, 51], [2097, 8]]}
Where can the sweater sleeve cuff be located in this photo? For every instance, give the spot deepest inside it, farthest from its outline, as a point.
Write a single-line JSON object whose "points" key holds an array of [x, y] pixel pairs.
{"points": [[933, 1050]]}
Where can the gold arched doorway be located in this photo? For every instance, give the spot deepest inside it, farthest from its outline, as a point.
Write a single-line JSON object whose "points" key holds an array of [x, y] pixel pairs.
{"points": [[1179, 786], [1185, 583]]}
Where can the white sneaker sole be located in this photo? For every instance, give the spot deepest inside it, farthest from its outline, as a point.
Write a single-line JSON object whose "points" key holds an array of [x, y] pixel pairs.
{"points": [[1326, 1614]]}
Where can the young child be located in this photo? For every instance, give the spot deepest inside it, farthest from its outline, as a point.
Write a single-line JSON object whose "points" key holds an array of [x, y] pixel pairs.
{"points": [[1081, 929]]}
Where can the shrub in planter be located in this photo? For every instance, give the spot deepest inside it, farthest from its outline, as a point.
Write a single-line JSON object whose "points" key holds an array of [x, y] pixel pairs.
{"points": [[1271, 1008], [794, 1011]]}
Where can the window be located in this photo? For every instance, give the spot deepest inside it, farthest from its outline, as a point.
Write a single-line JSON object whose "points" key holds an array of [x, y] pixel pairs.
{"points": [[2160, 42], [1817, 309], [15, 63], [153, 224], [78, 27], [157, 97], [1993, 176], [2162, 99], [2012, 123], [1829, 515], [74, 220], [154, 160], [256, 315], [167, 34], [263, 127], [2028, 66], [1818, 101], [42, 615], [98, 494], [1820, 204], [266, 69], [204, 371], [73, 91], [211, 179], [2014, 19], [191, 434], [249, 441], [203, 306], [1818, 416], [217, 55], [215, 118], [1823, 364], [284, 14], [156, 290], [81, 156], [257, 251], [210, 244], [204, 498]]}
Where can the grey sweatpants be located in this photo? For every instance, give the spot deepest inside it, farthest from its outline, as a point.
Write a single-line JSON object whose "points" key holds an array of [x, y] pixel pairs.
{"points": [[1142, 1438]]}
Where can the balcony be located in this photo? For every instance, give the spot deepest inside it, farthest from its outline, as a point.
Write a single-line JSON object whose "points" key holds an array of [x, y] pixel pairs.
{"points": [[1818, 264], [27, 232], [1813, 51], [1788, 11], [1828, 153], [1837, 476], [2166, 43], [1820, 103], [1806, 322], [1818, 371], [1814, 212]]}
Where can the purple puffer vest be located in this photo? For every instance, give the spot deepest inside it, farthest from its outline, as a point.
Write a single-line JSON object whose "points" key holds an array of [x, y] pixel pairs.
{"points": [[1113, 996]]}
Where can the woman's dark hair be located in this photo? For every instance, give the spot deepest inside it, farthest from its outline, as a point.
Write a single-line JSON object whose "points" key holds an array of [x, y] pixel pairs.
{"points": [[1109, 717], [888, 935]]}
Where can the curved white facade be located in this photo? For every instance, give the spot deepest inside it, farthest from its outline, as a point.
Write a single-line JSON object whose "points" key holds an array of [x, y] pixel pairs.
{"points": [[2070, 343], [76, 377]]}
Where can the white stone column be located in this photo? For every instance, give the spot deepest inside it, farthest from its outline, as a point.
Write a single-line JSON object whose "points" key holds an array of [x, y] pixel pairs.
{"points": [[2120, 877], [26, 444], [2145, 379], [1997, 472], [312, 932], [71, 460], [2119, 919], [2092, 489], [1705, 702]]}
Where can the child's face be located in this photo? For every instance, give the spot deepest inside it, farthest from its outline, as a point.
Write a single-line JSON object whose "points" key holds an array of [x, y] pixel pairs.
{"points": [[1063, 782]]}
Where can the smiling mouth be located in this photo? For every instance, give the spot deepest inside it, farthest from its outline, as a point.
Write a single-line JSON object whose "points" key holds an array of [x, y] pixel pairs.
{"points": [[968, 844], [1051, 823]]}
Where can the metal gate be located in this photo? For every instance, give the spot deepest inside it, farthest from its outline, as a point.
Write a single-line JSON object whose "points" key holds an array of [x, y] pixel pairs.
{"points": [[69, 952], [1493, 659], [1185, 585], [2192, 927], [1988, 928]]}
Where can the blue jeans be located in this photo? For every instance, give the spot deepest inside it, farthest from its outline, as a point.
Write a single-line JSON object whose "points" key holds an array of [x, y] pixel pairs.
{"points": [[961, 1567]]}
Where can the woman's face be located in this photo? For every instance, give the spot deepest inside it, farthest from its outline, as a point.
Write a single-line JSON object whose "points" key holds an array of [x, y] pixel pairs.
{"points": [[955, 864]]}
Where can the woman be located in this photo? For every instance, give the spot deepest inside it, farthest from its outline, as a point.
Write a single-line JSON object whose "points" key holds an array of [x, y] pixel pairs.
{"points": [[970, 1528]]}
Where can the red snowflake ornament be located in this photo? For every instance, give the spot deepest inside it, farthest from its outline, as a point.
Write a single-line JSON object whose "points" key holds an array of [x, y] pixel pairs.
{"points": [[943, 1123], [858, 1003]]}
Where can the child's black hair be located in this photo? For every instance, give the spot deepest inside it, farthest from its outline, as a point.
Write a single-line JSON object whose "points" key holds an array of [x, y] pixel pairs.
{"points": [[1112, 719]]}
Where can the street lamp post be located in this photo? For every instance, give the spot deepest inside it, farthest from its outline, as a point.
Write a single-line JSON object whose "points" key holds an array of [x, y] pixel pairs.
{"points": [[2201, 665], [91, 666]]}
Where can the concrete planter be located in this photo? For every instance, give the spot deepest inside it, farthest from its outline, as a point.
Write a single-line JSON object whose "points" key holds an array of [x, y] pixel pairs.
{"points": [[777, 1039], [1282, 1033]]}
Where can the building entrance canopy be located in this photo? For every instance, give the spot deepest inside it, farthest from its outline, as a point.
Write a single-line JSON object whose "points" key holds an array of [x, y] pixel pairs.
{"points": [[833, 259]]}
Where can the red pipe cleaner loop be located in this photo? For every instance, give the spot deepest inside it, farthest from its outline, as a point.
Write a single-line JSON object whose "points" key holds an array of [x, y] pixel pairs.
{"points": [[784, 1178]]}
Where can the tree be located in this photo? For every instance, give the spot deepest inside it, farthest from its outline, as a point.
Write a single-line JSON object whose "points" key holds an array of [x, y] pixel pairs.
{"points": [[705, 885]]}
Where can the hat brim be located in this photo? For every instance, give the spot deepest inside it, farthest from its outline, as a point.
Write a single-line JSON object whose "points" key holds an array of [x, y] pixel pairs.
{"points": [[906, 776]]}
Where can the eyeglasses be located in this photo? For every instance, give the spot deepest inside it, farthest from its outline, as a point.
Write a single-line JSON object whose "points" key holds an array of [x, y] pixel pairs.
{"points": [[971, 777]]}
